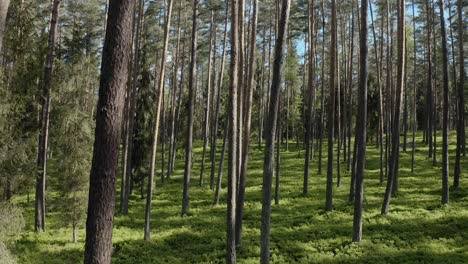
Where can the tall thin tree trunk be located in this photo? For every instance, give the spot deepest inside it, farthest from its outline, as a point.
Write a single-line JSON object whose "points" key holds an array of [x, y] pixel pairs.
{"points": [[322, 95], [445, 128], [101, 202], [41, 173], [331, 110], [460, 98], [379, 84], [413, 143], [208, 96], [248, 115], [396, 118], [160, 96], [310, 94], [231, 256], [361, 125], [190, 110], [173, 98], [218, 104], [271, 131], [132, 105]]}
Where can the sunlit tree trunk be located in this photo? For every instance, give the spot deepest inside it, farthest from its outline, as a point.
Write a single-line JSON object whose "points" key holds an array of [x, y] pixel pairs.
{"points": [[270, 132], [158, 110]]}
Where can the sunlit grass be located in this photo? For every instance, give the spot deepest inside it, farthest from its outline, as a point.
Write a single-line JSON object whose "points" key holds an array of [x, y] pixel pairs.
{"points": [[417, 229]]}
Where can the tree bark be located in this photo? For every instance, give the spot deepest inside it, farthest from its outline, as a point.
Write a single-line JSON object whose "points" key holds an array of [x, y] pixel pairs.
{"points": [[396, 118], [190, 110], [101, 202], [331, 110], [206, 128], [41, 173], [218, 105], [310, 95], [271, 131], [445, 132], [248, 118], [460, 97], [231, 257], [160, 93], [361, 126]]}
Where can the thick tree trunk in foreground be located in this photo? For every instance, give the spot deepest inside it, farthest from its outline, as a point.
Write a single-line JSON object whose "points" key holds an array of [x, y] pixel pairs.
{"points": [[41, 173], [270, 132], [190, 108], [331, 110], [101, 202], [445, 158], [160, 93], [361, 127]]}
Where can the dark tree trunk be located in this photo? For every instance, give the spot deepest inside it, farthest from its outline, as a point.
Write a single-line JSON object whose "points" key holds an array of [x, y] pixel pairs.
{"points": [[221, 164], [190, 110], [413, 143], [270, 132], [160, 96], [396, 118], [460, 98], [445, 132], [331, 110], [130, 115], [361, 125], [310, 94], [41, 173], [322, 95], [101, 202]]}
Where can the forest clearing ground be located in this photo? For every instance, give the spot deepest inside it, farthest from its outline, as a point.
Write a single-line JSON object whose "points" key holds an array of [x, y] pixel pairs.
{"points": [[416, 230]]}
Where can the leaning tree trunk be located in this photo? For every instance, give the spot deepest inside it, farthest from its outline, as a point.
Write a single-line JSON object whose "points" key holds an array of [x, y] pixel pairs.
{"points": [[396, 118], [461, 99], [160, 93], [445, 158], [361, 123], [331, 110], [270, 132], [248, 116], [190, 106], [101, 202], [218, 105], [39, 216]]}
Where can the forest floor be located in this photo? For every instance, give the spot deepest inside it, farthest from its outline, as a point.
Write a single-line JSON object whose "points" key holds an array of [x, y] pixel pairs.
{"points": [[417, 229]]}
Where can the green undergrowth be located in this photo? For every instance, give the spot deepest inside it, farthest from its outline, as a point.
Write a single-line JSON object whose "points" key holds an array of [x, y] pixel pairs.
{"points": [[417, 229]]}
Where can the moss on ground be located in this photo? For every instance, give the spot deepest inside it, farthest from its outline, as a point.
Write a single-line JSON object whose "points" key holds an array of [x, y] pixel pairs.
{"points": [[417, 229]]}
